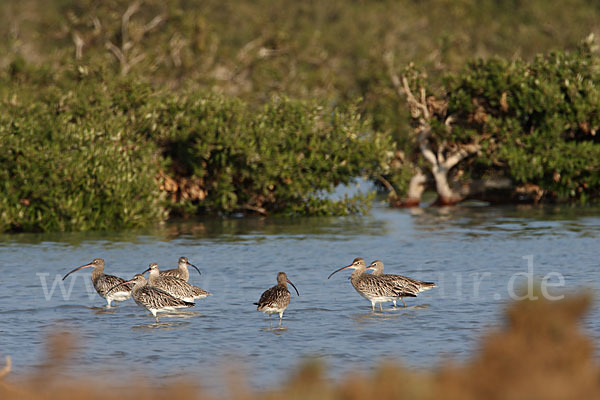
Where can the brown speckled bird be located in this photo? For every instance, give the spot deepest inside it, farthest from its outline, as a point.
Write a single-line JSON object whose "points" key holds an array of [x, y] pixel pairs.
{"points": [[411, 285], [102, 282], [174, 286], [371, 287], [276, 299], [152, 298], [181, 271]]}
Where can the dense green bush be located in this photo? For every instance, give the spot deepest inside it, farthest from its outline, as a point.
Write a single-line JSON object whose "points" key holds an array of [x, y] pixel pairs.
{"points": [[276, 159], [86, 152], [537, 122], [70, 161]]}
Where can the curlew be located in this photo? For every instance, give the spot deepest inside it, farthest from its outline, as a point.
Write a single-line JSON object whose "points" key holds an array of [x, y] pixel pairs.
{"points": [[174, 286], [276, 299], [412, 285], [181, 271], [371, 288], [102, 282], [152, 298]]}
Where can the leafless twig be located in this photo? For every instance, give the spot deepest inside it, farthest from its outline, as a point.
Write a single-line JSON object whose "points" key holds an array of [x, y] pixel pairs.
{"points": [[122, 53], [79, 43]]}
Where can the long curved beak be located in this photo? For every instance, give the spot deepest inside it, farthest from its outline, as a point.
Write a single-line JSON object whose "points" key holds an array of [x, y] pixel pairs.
{"points": [[119, 284], [196, 268], [145, 271], [77, 269], [290, 282], [347, 266]]}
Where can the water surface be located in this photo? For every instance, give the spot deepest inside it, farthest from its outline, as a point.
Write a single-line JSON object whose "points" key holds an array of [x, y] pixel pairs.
{"points": [[470, 252]]}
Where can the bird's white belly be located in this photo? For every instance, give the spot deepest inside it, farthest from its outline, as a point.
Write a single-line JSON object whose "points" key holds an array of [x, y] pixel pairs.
{"points": [[163, 309], [119, 296], [375, 298], [382, 299], [272, 310]]}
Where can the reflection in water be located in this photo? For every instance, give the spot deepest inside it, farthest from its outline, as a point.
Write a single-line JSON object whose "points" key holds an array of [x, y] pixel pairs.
{"points": [[104, 310], [235, 229], [277, 330], [161, 325], [171, 314], [519, 220], [374, 316], [226, 229], [387, 314]]}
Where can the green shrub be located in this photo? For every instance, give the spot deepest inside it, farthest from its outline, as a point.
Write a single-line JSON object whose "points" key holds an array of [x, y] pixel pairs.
{"points": [[70, 161], [277, 159], [538, 122], [86, 152]]}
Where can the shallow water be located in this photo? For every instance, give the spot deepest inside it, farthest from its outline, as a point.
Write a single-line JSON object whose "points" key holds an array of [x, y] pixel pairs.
{"points": [[470, 252]]}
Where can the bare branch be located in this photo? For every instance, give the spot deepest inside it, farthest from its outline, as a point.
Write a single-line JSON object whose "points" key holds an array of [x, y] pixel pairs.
{"points": [[440, 152], [97, 25], [428, 154], [412, 100], [122, 52], [416, 187], [259, 210], [243, 55], [132, 9], [426, 114], [387, 185], [116, 51], [136, 60], [156, 21], [79, 43], [463, 152]]}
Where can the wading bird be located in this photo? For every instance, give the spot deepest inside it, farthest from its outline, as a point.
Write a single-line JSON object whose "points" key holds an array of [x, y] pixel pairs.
{"points": [[152, 298], [102, 282], [174, 286], [370, 287], [276, 299], [409, 284], [181, 271]]}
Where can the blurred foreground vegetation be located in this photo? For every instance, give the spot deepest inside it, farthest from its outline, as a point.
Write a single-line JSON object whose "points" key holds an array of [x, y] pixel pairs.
{"points": [[121, 113], [540, 353]]}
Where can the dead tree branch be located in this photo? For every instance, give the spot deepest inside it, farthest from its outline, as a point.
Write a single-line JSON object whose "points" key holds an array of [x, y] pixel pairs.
{"points": [[79, 43], [122, 53], [445, 156], [387, 185]]}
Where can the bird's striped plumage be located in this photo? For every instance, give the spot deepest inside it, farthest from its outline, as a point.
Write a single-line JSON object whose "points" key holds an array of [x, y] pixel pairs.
{"points": [[174, 286], [102, 282], [276, 299], [411, 285], [375, 289], [181, 271], [415, 284], [154, 299]]}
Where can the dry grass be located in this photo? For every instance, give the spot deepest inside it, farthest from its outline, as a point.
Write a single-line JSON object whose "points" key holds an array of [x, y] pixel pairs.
{"points": [[540, 353]]}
